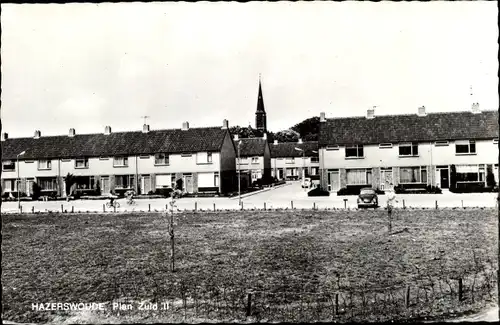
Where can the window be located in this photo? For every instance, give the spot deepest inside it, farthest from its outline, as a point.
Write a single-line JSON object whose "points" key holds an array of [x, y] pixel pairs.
{"points": [[216, 179], [186, 154], [314, 159], [120, 161], [354, 151], [10, 185], [8, 165], [279, 158], [45, 164], [416, 174], [103, 158], [144, 156], [385, 145], [124, 181], [470, 173], [209, 157], [289, 160], [441, 143], [465, 147], [255, 160], [495, 141], [81, 163], [203, 157], [335, 147], [162, 159], [359, 176], [164, 181], [29, 161], [47, 184], [314, 171], [408, 149], [243, 160]]}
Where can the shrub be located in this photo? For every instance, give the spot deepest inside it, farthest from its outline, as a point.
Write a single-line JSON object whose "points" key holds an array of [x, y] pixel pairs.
{"points": [[166, 192], [433, 189], [318, 191], [179, 184], [490, 178], [351, 190]]}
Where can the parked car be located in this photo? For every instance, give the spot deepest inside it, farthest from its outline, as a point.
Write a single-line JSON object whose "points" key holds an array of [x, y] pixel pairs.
{"points": [[367, 198], [306, 183]]}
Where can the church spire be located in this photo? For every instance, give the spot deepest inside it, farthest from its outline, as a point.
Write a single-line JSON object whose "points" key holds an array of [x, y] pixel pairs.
{"points": [[260, 114]]}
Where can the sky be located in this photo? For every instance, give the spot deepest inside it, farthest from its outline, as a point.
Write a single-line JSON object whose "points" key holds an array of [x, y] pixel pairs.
{"points": [[85, 66]]}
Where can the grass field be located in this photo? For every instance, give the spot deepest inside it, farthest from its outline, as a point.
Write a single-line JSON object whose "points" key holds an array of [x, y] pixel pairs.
{"points": [[82, 257]]}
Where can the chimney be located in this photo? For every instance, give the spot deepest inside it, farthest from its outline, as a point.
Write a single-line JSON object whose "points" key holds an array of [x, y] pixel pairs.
{"points": [[185, 126], [225, 124], [107, 130], [236, 138], [145, 128], [370, 113], [264, 136], [475, 108], [71, 133], [275, 142], [5, 136], [300, 141], [322, 117], [38, 134], [421, 111]]}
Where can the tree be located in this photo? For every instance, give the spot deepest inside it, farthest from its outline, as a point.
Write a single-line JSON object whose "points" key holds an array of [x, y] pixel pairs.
{"points": [[308, 128], [286, 136], [490, 178], [37, 191], [69, 180]]}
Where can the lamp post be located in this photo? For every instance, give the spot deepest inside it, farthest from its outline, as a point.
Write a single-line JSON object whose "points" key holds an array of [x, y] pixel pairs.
{"points": [[19, 181], [239, 174]]}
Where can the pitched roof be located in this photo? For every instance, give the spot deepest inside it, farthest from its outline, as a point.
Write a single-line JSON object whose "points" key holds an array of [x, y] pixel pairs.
{"points": [[251, 146], [287, 149], [119, 143], [403, 128]]}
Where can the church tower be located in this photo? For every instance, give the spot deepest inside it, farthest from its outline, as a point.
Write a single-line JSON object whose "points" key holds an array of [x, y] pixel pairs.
{"points": [[260, 114]]}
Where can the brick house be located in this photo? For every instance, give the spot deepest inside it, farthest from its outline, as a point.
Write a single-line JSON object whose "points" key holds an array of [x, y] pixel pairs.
{"points": [[253, 159], [290, 159], [147, 160]]}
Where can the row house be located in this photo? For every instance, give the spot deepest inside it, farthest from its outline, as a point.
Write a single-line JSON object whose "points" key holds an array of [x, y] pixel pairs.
{"points": [[253, 159], [147, 160], [413, 150], [292, 160]]}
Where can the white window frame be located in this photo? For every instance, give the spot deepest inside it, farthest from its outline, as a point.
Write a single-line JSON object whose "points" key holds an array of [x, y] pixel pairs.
{"points": [[443, 143], [209, 157], [481, 169], [411, 145], [366, 171], [314, 159], [358, 147], [186, 154], [104, 158], [48, 164], [12, 188], [495, 141], [331, 148], [255, 160], [143, 156], [420, 170], [11, 162], [385, 145], [165, 161], [125, 161], [468, 144], [216, 179], [85, 163], [243, 161], [290, 160], [130, 180]]}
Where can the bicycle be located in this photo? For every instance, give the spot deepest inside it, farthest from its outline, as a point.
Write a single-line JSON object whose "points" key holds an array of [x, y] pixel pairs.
{"points": [[131, 201], [112, 205]]}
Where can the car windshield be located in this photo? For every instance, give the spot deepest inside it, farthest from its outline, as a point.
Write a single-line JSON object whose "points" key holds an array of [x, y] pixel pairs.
{"points": [[367, 191]]}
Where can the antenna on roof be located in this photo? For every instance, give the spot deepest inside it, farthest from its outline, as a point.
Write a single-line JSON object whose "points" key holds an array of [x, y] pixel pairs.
{"points": [[145, 117]]}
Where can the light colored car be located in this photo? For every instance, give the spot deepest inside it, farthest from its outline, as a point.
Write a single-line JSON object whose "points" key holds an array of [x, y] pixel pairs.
{"points": [[367, 198], [306, 183]]}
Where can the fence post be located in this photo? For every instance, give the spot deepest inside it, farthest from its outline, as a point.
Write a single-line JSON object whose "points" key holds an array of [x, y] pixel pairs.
{"points": [[460, 289], [195, 206], [336, 303], [345, 203], [32, 209], [21, 209], [462, 203], [103, 208], [149, 207], [436, 204], [291, 203], [404, 206], [214, 206], [72, 209], [62, 208], [314, 205], [114, 208], [249, 304], [241, 208], [407, 296], [265, 206]]}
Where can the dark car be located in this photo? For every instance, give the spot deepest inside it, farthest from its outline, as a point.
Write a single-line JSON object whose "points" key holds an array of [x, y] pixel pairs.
{"points": [[367, 198]]}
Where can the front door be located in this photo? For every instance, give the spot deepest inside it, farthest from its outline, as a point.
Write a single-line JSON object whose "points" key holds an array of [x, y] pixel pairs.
{"points": [[145, 184], [334, 181], [444, 178], [280, 173], [105, 189], [385, 178], [188, 181]]}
